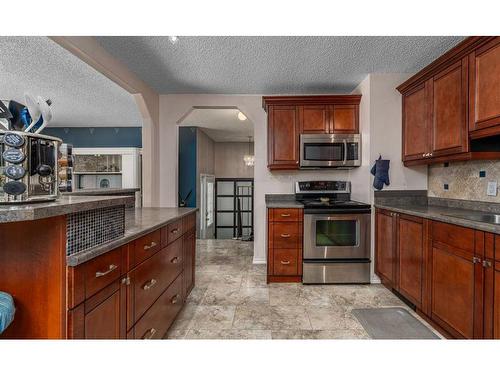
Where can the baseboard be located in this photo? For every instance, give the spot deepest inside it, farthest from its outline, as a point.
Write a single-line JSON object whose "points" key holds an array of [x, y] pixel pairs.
{"points": [[375, 279], [259, 261]]}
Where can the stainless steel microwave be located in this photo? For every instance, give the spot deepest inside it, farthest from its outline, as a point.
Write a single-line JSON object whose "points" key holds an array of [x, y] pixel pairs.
{"points": [[330, 151]]}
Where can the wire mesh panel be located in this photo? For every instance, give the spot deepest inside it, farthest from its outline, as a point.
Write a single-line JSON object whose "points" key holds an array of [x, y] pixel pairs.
{"points": [[88, 229]]}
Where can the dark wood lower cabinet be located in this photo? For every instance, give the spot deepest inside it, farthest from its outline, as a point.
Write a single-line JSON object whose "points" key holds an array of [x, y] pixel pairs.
{"points": [[449, 273], [142, 301], [452, 298], [411, 254], [385, 243]]}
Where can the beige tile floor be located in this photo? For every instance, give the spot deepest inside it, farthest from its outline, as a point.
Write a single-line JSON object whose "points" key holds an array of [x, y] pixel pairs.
{"points": [[231, 300]]}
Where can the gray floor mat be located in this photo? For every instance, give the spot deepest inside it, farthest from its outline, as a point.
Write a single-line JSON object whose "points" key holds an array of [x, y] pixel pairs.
{"points": [[392, 323]]}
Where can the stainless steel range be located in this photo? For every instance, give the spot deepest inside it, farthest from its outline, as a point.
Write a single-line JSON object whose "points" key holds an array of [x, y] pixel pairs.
{"points": [[336, 233]]}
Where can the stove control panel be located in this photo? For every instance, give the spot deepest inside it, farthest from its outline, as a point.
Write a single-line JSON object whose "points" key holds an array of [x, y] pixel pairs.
{"points": [[323, 186]]}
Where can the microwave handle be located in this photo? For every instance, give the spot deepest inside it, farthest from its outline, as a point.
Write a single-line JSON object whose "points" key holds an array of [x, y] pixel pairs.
{"points": [[345, 152]]}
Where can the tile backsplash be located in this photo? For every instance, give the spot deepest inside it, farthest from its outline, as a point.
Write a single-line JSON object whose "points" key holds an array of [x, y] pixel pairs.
{"points": [[463, 181]]}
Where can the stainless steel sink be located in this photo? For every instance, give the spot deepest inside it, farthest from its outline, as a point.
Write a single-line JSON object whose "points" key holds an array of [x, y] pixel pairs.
{"points": [[482, 217]]}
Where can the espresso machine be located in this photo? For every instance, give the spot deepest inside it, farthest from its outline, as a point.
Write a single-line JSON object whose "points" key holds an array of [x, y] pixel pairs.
{"points": [[29, 167]]}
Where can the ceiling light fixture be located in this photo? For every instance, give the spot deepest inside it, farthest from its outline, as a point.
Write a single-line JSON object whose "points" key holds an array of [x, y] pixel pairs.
{"points": [[241, 116], [173, 39], [249, 159]]}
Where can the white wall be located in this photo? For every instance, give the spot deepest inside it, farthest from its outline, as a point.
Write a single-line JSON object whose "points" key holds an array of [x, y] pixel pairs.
{"points": [[380, 125], [229, 160]]}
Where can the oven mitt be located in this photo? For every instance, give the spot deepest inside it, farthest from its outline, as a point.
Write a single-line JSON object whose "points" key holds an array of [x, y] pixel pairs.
{"points": [[381, 172], [7, 311]]}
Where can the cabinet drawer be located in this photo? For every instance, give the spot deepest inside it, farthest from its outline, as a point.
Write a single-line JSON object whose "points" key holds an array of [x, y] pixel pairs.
{"points": [[286, 235], [285, 214], [155, 323], [146, 246], [453, 235], [172, 232], [102, 271], [285, 262], [152, 277]]}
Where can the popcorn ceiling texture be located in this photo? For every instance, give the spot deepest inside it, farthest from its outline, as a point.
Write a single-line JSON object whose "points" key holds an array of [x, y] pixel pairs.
{"points": [[463, 180], [271, 65]]}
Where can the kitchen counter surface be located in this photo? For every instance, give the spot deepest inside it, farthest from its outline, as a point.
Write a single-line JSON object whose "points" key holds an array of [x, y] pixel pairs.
{"points": [[282, 201], [441, 213], [63, 206], [106, 191], [138, 222]]}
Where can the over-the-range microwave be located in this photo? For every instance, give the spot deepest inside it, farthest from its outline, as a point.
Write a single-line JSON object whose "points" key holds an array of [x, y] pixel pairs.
{"points": [[342, 151]]}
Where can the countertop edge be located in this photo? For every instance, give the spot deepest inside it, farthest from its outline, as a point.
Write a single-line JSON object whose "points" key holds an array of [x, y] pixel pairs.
{"points": [[77, 259], [485, 227]]}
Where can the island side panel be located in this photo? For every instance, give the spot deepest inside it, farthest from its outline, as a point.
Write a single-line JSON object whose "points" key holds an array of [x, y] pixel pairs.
{"points": [[33, 271]]}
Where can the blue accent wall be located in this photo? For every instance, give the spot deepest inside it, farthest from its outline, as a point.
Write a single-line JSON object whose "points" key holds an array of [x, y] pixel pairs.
{"points": [[187, 164], [98, 137]]}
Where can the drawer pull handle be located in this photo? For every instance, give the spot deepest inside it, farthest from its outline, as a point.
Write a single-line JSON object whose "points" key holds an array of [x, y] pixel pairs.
{"points": [[174, 260], [111, 268], [285, 262], [285, 215], [149, 334], [149, 285], [175, 299], [150, 246], [285, 235], [486, 264], [174, 231]]}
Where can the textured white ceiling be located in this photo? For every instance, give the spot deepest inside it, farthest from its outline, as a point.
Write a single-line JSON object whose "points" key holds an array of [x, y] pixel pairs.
{"points": [[271, 65], [81, 96], [220, 124]]}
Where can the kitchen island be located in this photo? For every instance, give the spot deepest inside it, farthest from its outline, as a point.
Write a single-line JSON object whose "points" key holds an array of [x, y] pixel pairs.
{"points": [[71, 278]]}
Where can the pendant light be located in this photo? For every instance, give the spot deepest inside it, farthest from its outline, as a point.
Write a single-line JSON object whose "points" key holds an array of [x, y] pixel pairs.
{"points": [[249, 159]]}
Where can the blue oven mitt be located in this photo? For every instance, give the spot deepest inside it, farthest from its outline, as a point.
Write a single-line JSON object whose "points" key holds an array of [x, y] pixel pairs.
{"points": [[381, 172], [7, 311]]}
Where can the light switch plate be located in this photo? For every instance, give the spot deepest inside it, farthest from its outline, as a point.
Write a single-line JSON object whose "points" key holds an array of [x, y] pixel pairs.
{"points": [[492, 188]]}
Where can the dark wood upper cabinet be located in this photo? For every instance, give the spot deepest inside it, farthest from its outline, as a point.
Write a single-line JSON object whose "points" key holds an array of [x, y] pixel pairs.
{"points": [[449, 111], [416, 123], [314, 119], [484, 90], [453, 100], [290, 116], [283, 137], [385, 252], [344, 119]]}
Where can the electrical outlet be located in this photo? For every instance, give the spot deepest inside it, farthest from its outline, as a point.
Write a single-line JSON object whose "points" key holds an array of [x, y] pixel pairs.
{"points": [[492, 188]]}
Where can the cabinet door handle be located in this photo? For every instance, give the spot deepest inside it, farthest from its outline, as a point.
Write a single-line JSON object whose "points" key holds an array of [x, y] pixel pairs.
{"points": [[175, 299], [149, 285], [150, 246], [126, 281], [285, 215], [486, 264], [174, 231], [285, 262], [174, 260], [476, 260], [111, 268], [149, 334], [285, 235]]}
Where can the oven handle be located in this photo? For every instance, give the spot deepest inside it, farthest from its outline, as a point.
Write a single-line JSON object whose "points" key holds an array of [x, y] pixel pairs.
{"points": [[345, 151]]}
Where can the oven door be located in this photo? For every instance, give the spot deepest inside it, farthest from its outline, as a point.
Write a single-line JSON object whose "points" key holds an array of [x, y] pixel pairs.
{"points": [[337, 236]]}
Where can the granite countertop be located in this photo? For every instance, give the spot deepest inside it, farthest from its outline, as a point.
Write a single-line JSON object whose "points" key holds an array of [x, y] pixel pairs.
{"points": [[441, 213], [282, 201], [62, 206], [138, 222], [104, 191]]}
